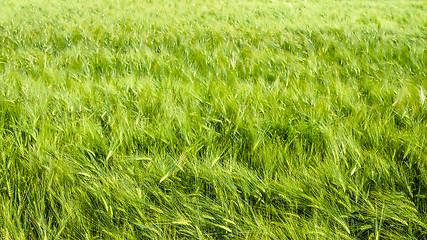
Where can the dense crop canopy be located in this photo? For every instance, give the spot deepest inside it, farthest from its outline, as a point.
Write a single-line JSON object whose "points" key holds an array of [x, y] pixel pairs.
{"points": [[237, 119]]}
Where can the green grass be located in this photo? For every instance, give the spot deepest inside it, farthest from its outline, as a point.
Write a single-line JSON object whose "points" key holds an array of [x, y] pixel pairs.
{"points": [[213, 119]]}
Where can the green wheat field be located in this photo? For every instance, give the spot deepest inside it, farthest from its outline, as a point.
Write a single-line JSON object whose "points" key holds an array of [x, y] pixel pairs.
{"points": [[210, 119]]}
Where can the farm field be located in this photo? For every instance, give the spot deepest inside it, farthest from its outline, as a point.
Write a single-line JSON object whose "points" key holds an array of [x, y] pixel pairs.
{"points": [[234, 119]]}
